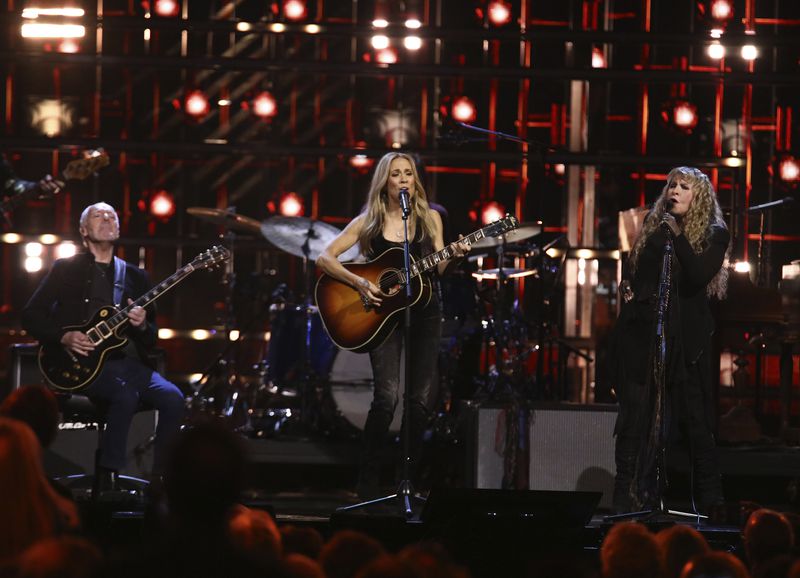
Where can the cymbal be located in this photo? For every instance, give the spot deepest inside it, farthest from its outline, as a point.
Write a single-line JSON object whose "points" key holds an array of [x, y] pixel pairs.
{"points": [[509, 272], [524, 231], [303, 237], [227, 219]]}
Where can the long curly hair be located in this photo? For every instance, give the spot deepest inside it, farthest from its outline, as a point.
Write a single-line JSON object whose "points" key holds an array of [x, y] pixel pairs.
{"points": [[704, 211], [377, 203]]}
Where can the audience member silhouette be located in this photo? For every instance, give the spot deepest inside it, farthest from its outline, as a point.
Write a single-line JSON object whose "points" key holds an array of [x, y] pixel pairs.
{"points": [[775, 567], [715, 565], [60, 557], [31, 510], [431, 560], [678, 545], [37, 407], [389, 566], [301, 540], [300, 566], [629, 550], [767, 534], [256, 537], [347, 552]]}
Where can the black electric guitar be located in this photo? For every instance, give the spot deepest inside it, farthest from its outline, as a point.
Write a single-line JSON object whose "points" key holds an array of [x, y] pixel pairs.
{"points": [[354, 326], [66, 371], [76, 170]]}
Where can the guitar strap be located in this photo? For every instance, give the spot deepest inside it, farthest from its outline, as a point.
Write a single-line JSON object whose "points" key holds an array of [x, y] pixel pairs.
{"points": [[119, 280]]}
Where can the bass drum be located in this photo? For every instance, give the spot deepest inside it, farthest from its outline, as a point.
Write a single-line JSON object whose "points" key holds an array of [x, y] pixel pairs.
{"points": [[351, 387]]}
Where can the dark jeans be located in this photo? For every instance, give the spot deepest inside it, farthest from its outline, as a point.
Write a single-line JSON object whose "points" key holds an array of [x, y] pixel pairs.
{"points": [[122, 386], [426, 330]]}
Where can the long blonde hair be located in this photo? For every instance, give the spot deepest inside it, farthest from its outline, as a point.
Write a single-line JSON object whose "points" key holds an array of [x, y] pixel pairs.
{"points": [[32, 510], [374, 213], [704, 211]]}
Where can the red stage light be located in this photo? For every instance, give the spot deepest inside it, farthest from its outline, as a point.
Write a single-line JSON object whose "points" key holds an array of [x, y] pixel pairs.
{"points": [[294, 9], [167, 8], [499, 13], [721, 9], [598, 58], [492, 211], [291, 205], [264, 105], [386, 56], [360, 162], [680, 115], [196, 104], [789, 169], [463, 109], [162, 205]]}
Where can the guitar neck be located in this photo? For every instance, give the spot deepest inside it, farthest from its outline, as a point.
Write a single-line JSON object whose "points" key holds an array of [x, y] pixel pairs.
{"points": [[121, 317], [429, 262]]}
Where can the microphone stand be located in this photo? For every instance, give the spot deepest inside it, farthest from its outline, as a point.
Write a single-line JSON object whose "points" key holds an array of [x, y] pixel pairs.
{"points": [[658, 365], [405, 490]]}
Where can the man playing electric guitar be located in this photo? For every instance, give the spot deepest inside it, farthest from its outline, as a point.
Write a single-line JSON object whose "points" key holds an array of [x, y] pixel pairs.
{"points": [[73, 290]]}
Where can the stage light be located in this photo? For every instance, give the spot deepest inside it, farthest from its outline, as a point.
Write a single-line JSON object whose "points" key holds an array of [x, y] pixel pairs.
{"points": [[167, 8], [162, 205], [243, 27], [413, 23], [491, 212], [196, 104], [380, 41], [716, 33], [264, 105], [291, 205], [312, 28], [277, 27], [741, 267], [598, 58], [66, 250], [412, 42], [34, 249], [360, 162], [789, 169], [463, 109], [386, 56], [380, 23], [499, 13], [33, 13], [716, 51], [749, 52], [201, 334], [294, 9], [33, 264], [69, 46], [11, 238], [42, 30], [721, 9], [680, 115]]}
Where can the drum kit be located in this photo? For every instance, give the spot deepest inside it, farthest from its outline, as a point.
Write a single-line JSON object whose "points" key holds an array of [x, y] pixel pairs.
{"points": [[304, 379]]}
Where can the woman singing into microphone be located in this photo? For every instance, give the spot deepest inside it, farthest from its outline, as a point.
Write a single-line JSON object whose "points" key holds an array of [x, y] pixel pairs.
{"points": [[376, 229], [688, 212]]}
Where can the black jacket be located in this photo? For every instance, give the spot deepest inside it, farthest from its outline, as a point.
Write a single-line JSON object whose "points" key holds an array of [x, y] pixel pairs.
{"points": [[62, 299]]}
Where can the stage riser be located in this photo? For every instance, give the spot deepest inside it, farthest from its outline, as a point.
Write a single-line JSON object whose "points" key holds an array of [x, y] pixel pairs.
{"points": [[571, 448]]}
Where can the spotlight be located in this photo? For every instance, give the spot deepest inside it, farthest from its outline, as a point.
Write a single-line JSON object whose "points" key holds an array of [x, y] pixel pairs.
{"points": [[598, 58], [749, 52], [789, 169], [491, 212], [196, 104], [721, 9], [65, 250], [69, 46], [291, 205], [167, 8], [412, 42], [361, 162], [413, 23], [499, 13], [680, 115], [162, 205], [294, 9], [380, 41], [463, 109], [380, 23], [716, 51], [264, 105], [386, 56]]}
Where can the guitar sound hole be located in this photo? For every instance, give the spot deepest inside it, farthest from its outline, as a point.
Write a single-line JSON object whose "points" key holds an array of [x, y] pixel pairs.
{"points": [[389, 282]]}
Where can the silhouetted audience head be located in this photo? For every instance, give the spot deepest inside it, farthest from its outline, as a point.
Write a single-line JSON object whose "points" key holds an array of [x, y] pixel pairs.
{"points": [[60, 557], [301, 540], [431, 560], [776, 567], [36, 406], [715, 565], [629, 550], [300, 566], [679, 544], [767, 534], [347, 552], [204, 476], [255, 535], [31, 510], [388, 566]]}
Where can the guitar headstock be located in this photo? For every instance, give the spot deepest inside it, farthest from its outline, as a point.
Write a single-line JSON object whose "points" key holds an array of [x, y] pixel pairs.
{"points": [[500, 226], [212, 257], [81, 168]]}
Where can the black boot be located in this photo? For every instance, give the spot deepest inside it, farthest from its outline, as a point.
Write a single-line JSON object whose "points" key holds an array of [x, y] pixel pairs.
{"points": [[369, 473], [625, 458]]}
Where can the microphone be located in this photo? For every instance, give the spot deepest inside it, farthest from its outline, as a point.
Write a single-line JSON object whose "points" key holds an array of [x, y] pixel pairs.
{"points": [[669, 205], [667, 209], [405, 201]]}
